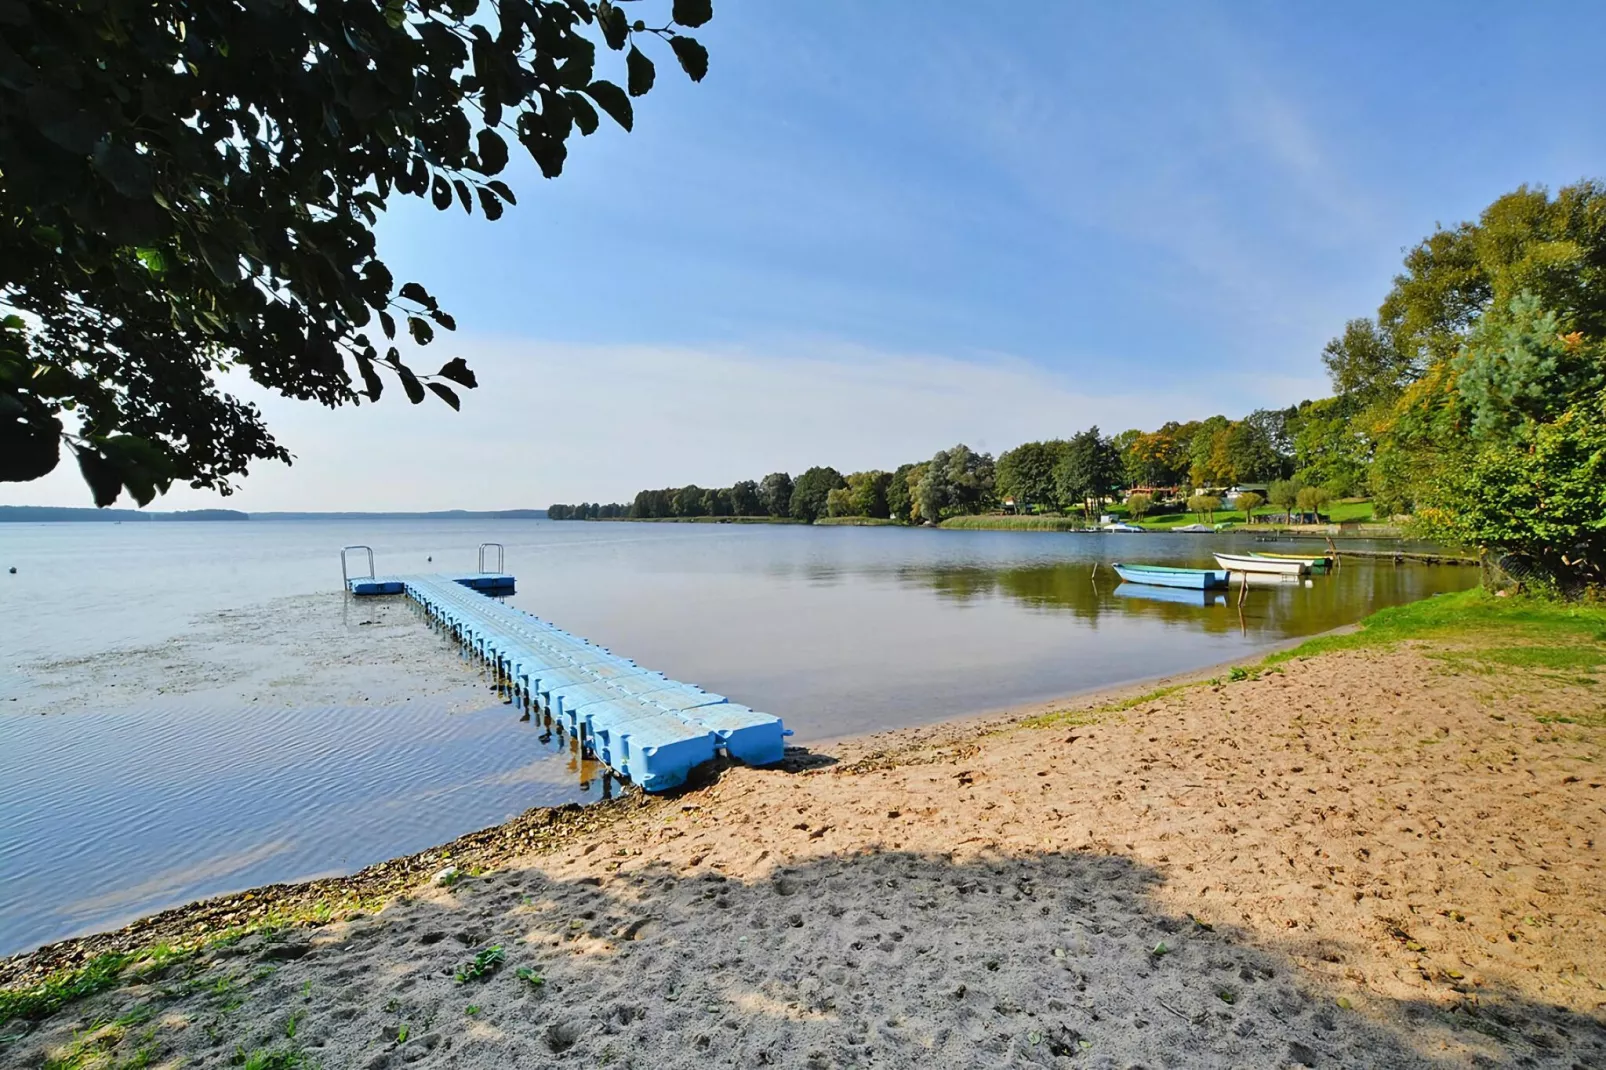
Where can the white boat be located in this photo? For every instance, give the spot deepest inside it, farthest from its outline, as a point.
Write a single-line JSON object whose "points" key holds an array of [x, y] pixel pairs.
{"points": [[1246, 563]]}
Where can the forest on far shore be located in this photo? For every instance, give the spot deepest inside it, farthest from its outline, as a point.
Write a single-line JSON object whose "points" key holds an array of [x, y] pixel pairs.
{"points": [[1472, 405]]}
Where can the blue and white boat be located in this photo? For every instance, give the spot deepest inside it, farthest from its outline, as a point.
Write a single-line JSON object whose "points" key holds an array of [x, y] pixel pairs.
{"points": [[1198, 579]]}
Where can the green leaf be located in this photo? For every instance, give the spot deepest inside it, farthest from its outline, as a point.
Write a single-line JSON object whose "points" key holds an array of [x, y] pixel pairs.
{"points": [[379, 280], [225, 265], [692, 12], [457, 370], [28, 448], [442, 193], [446, 394], [388, 323], [640, 71], [615, 27], [422, 332], [410, 383], [492, 152], [128, 173], [105, 484], [412, 291], [611, 99], [693, 57], [489, 204], [464, 195], [585, 116], [502, 190], [153, 260], [60, 119], [444, 319], [370, 378]]}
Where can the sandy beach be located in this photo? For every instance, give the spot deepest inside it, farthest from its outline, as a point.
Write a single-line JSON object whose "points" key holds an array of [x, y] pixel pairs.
{"points": [[1375, 858]]}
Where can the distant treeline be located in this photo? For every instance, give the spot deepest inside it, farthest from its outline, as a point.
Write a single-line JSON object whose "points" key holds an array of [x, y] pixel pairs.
{"points": [[1297, 446], [587, 511], [37, 514], [1474, 401]]}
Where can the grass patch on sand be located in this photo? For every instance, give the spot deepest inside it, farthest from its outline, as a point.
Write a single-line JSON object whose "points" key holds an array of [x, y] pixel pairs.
{"points": [[35, 1002], [1073, 718], [1479, 629], [50, 995], [1516, 632]]}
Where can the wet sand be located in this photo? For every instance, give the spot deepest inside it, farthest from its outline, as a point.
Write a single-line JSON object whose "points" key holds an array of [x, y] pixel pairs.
{"points": [[1378, 859], [301, 651]]}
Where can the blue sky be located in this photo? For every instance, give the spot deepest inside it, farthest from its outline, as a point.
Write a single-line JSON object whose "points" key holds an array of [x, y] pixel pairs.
{"points": [[877, 229]]}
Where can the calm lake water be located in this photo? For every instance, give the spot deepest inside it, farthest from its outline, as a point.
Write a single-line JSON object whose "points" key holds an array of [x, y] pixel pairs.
{"points": [[220, 717]]}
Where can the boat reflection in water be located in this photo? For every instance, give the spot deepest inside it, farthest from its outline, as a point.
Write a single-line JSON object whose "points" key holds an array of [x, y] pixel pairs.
{"points": [[1270, 579], [1182, 595]]}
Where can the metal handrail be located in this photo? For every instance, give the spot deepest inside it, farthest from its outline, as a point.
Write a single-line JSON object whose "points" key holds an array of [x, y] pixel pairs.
{"points": [[501, 554], [345, 576]]}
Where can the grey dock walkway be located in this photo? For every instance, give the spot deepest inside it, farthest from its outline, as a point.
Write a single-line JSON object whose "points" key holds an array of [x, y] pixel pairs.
{"points": [[642, 725]]}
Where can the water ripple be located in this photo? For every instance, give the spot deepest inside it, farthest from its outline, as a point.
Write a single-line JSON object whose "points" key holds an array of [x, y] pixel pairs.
{"points": [[106, 816]]}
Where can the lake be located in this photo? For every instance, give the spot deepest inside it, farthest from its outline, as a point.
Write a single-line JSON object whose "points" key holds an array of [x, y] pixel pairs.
{"points": [[192, 708]]}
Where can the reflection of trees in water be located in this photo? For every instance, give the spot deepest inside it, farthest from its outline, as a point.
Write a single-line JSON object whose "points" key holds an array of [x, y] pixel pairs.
{"points": [[1328, 601], [1055, 587]]}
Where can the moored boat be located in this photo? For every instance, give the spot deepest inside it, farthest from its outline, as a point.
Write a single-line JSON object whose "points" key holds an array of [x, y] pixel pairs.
{"points": [[1317, 562], [1252, 563], [1165, 576]]}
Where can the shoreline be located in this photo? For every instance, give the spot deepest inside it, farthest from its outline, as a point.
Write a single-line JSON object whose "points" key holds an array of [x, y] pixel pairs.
{"points": [[540, 828], [1373, 848]]}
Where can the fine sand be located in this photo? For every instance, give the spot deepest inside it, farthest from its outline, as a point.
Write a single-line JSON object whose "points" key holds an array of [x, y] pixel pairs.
{"points": [[1359, 860]]}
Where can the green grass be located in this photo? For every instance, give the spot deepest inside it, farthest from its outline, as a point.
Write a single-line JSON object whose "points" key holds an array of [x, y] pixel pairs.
{"points": [[56, 991], [272, 1059], [484, 964], [855, 522], [1524, 633], [1549, 634], [1334, 513], [38, 1001], [1557, 659]]}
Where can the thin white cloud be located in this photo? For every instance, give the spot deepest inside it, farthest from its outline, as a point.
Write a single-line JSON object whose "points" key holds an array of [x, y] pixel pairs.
{"points": [[553, 422]]}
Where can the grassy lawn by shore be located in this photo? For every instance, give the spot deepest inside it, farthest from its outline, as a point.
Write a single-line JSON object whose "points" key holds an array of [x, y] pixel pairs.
{"points": [[1268, 519], [1012, 522], [1371, 850], [1496, 628], [1339, 512]]}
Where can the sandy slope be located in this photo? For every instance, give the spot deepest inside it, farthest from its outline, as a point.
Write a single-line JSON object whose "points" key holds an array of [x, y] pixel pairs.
{"points": [[1368, 860]]}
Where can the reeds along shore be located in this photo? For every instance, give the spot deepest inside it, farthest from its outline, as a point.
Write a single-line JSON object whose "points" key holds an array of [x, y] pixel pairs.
{"points": [[1376, 851]]}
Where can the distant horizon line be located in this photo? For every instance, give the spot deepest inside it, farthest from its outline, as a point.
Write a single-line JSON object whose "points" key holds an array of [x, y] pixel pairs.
{"points": [[67, 513]]}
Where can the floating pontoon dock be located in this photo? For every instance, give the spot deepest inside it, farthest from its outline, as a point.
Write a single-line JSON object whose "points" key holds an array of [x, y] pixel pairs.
{"points": [[642, 725]]}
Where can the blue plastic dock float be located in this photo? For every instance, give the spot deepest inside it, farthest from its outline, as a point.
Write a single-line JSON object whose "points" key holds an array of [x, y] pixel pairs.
{"points": [[642, 725]]}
